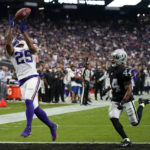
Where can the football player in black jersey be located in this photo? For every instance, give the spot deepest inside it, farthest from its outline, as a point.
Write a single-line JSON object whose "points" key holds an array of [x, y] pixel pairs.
{"points": [[122, 98]]}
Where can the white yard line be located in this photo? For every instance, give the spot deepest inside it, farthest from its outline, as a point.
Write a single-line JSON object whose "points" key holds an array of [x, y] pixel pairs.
{"points": [[75, 126], [56, 143], [20, 116]]}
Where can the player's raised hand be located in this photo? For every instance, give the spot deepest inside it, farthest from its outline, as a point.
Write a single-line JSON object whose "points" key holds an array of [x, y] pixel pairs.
{"points": [[23, 26], [11, 21], [23, 29]]}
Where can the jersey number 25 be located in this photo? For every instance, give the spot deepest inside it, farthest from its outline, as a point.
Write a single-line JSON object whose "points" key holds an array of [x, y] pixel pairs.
{"points": [[23, 57]]}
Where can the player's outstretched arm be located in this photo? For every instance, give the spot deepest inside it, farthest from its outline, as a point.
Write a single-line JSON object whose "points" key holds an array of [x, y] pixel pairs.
{"points": [[23, 29], [9, 36]]}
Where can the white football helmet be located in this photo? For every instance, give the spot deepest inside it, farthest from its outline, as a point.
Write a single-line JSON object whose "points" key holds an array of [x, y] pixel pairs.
{"points": [[118, 57], [23, 43]]}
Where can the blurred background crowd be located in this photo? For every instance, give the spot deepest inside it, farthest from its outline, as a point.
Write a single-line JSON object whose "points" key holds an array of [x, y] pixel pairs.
{"points": [[65, 43]]}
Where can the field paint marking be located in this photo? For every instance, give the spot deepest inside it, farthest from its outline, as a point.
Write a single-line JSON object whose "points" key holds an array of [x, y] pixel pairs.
{"points": [[78, 126], [55, 143], [20, 116]]}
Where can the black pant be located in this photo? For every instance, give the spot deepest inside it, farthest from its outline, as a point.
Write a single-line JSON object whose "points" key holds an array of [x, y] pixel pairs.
{"points": [[86, 93], [55, 93], [136, 87], [141, 86], [61, 91], [99, 86], [41, 96], [47, 95]]}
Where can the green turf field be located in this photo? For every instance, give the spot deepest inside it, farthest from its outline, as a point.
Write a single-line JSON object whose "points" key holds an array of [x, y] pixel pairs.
{"points": [[84, 126], [20, 107]]}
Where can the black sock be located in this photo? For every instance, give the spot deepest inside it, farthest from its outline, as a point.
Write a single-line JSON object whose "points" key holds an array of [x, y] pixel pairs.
{"points": [[117, 125], [139, 112]]}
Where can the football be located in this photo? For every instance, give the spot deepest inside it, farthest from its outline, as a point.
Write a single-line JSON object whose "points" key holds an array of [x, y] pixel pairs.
{"points": [[22, 13]]}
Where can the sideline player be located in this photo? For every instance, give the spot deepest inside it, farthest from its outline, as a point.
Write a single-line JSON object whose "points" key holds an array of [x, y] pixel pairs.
{"points": [[120, 79], [22, 55]]}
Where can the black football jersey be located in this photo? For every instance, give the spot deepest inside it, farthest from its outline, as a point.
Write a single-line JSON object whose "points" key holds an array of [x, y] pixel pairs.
{"points": [[98, 75], [119, 77]]}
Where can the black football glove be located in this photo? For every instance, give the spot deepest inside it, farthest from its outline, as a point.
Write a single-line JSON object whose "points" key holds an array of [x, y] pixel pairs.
{"points": [[105, 91], [120, 105]]}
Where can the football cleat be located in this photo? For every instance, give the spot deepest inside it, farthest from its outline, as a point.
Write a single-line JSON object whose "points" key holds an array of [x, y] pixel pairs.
{"points": [[53, 130], [145, 101], [26, 132], [125, 143]]}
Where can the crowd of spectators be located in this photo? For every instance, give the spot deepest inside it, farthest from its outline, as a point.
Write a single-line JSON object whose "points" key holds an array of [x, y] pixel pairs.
{"points": [[62, 43], [65, 42]]}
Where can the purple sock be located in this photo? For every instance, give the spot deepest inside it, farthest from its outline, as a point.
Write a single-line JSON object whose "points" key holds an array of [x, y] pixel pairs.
{"points": [[40, 113], [29, 112]]}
